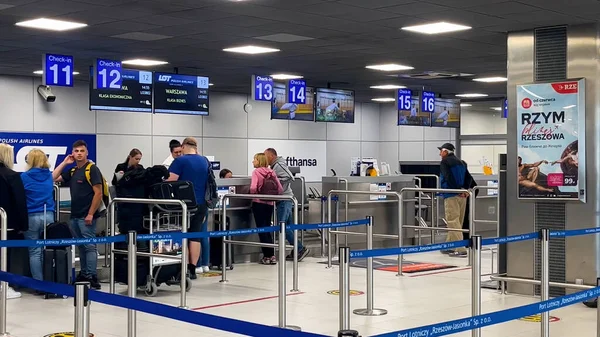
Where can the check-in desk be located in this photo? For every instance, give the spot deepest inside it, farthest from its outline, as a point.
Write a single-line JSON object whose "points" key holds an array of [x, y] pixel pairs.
{"points": [[486, 206]]}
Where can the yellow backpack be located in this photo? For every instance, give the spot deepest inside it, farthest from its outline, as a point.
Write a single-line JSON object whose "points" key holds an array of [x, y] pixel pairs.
{"points": [[105, 193]]}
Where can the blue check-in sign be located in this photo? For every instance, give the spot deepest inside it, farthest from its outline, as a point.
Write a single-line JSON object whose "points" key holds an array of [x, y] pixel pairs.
{"points": [[296, 91], [58, 70], [107, 74]]}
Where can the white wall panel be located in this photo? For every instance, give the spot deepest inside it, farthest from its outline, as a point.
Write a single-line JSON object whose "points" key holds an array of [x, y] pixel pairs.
{"points": [[177, 125], [232, 153], [369, 122], [16, 107], [410, 151], [339, 154], [430, 150], [442, 134], [227, 116], [346, 131], [113, 150], [124, 123], [68, 114], [261, 126], [388, 123], [411, 133], [307, 130], [388, 152], [369, 149]]}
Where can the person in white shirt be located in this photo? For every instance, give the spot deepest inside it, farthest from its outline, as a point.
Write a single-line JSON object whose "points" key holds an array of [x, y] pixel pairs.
{"points": [[175, 147], [444, 117], [332, 108], [291, 107]]}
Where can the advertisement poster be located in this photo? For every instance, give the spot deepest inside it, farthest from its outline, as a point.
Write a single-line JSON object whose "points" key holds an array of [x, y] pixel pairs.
{"points": [[551, 131], [55, 145]]}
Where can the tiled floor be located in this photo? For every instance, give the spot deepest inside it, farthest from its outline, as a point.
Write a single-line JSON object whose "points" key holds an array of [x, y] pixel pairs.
{"points": [[413, 300]]}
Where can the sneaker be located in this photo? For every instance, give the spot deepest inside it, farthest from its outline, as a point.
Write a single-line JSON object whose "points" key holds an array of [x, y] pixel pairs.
{"points": [[12, 294], [94, 283], [458, 254], [273, 260], [205, 269], [265, 260], [303, 253]]}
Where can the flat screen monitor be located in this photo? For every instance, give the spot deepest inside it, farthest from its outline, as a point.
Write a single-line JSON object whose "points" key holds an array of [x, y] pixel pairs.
{"points": [[414, 117], [135, 93], [333, 105], [447, 113], [281, 109], [181, 94]]}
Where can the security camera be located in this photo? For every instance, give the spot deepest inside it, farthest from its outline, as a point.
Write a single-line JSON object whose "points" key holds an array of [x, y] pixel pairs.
{"points": [[46, 93]]}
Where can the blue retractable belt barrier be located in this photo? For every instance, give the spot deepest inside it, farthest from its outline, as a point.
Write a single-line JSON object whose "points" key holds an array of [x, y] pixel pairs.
{"points": [[470, 323], [408, 250], [158, 309], [176, 235], [508, 239], [574, 232]]}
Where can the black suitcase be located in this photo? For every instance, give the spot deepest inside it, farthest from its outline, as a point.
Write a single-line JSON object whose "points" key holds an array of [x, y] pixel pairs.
{"points": [[57, 260], [175, 190], [216, 248]]}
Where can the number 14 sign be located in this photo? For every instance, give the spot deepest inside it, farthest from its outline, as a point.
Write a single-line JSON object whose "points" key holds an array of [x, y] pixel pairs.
{"points": [[296, 91]]}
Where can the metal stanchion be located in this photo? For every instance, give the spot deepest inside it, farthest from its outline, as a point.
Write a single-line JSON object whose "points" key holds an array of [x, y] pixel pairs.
{"points": [[132, 280], [545, 284], [597, 311], [82, 309], [294, 252], [4, 268], [185, 221], [344, 287], [337, 219], [111, 219], [370, 310], [323, 220], [282, 281], [471, 218], [476, 281]]}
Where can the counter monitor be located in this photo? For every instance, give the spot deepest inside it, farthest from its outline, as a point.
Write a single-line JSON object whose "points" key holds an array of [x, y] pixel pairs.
{"points": [[446, 114], [334, 105], [180, 94], [135, 93]]}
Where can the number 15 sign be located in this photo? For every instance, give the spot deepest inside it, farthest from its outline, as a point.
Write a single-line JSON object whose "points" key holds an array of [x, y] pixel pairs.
{"points": [[58, 70]]}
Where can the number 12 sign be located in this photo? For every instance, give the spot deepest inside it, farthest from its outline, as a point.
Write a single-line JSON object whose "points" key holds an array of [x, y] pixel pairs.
{"points": [[107, 74], [427, 101], [296, 91], [58, 70], [262, 88]]}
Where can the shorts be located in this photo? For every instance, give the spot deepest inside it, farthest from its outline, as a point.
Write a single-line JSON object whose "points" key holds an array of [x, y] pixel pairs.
{"points": [[197, 221]]}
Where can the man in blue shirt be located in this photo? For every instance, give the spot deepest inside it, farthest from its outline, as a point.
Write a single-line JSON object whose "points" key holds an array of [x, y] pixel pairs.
{"points": [[194, 168], [452, 176]]}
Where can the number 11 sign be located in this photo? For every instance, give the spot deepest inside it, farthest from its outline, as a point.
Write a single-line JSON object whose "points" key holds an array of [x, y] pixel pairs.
{"points": [[296, 91], [58, 70]]}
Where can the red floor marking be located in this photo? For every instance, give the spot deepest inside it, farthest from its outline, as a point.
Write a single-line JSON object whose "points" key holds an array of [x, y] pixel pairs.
{"points": [[441, 272], [242, 302]]}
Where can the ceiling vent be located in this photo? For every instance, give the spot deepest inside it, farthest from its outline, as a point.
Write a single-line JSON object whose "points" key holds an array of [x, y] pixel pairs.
{"points": [[433, 75]]}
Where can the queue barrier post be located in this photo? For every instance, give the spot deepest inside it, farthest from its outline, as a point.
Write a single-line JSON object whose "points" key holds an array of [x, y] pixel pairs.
{"points": [[370, 310], [344, 287], [131, 281], [348, 333], [545, 284], [281, 287], [597, 311], [82, 309], [4, 268], [323, 220], [476, 281]]}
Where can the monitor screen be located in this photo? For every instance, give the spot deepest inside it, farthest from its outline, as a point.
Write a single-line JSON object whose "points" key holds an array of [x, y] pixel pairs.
{"points": [[414, 117], [180, 94], [281, 109], [334, 105], [135, 93], [447, 113]]}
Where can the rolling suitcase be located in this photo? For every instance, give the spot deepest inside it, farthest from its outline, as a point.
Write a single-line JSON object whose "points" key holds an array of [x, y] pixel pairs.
{"points": [[216, 248], [57, 260]]}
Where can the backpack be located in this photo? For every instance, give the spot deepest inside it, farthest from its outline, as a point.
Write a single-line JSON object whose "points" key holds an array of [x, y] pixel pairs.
{"points": [[210, 194], [105, 192], [269, 185]]}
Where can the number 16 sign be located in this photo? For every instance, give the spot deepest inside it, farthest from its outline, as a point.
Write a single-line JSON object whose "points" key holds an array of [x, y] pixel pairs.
{"points": [[58, 70]]}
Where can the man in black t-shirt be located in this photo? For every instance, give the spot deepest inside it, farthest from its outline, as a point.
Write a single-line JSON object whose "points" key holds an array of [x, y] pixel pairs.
{"points": [[86, 199]]}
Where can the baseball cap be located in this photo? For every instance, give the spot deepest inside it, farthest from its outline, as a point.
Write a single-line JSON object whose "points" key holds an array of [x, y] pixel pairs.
{"points": [[447, 146]]}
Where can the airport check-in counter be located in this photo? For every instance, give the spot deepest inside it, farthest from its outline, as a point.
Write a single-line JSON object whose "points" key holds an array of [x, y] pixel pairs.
{"points": [[383, 210], [486, 206]]}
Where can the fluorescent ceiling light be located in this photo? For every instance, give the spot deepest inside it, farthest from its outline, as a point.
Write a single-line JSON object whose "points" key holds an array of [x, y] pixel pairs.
{"points": [[285, 77], [497, 108], [210, 84], [570, 106], [387, 87], [471, 95], [383, 99], [465, 104], [41, 72], [251, 50], [436, 28], [389, 67], [144, 62], [51, 24], [490, 79]]}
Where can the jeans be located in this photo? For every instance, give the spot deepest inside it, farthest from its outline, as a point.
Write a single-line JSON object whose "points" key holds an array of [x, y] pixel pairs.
{"points": [[262, 218], [37, 222], [88, 254], [284, 213]]}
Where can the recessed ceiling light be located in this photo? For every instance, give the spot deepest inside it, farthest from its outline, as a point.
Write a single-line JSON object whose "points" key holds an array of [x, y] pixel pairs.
{"points": [[471, 95], [383, 99], [389, 67], [285, 76], [490, 79], [497, 108], [51, 24], [387, 87], [144, 62], [210, 84], [41, 72], [251, 50], [465, 104], [436, 28]]}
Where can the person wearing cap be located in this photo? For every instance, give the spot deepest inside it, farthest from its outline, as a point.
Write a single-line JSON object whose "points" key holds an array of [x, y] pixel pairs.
{"points": [[452, 176]]}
